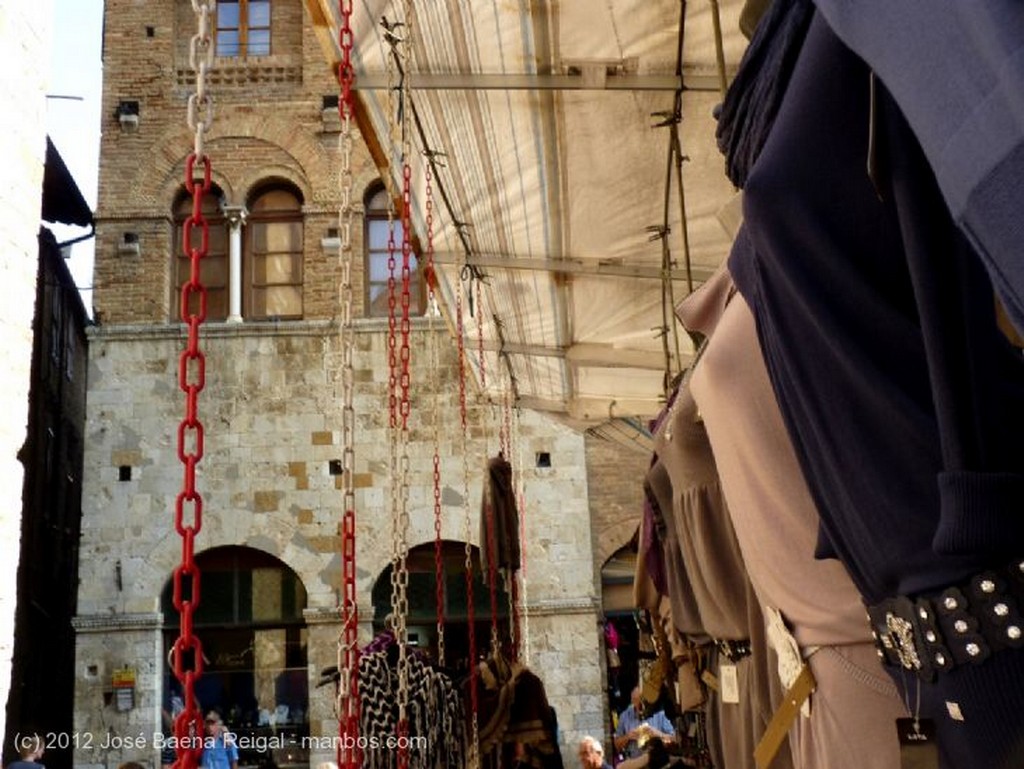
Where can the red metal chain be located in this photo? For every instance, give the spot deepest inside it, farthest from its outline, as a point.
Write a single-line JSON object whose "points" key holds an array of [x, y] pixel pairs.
{"points": [[404, 408], [187, 652], [346, 71], [480, 335], [348, 752], [406, 290], [392, 330], [505, 440]]}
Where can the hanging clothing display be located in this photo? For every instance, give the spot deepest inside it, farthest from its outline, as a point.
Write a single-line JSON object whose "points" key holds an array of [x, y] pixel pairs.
{"points": [[903, 400], [515, 718], [688, 653], [849, 721], [685, 484], [498, 505], [435, 711]]}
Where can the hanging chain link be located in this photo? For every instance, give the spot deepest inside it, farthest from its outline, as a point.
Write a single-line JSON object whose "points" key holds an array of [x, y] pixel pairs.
{"points": [[200, 59], [489, 545], [435, 390], [519, 483], [480, 336], [400, 388], [187, 652], [509, 574], [505, 436], [347, 705], [460, 332]]}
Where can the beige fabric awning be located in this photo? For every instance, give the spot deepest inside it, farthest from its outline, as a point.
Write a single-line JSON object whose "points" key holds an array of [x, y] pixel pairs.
{"points": [[548, 115]]}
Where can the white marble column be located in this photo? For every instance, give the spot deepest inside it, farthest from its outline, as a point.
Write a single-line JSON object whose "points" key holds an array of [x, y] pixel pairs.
{"points": [[236, 218]]}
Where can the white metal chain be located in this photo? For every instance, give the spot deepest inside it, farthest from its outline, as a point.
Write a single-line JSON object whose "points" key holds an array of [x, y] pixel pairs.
{"points": [[509, 573], [519, 483], [200, 58], [435, 390], [473, 757]]}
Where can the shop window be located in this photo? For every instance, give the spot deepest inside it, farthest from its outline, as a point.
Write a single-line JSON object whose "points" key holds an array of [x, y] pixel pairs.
{"points": [[421, 621], [243, 28], [617, 605], [378, 250], [254, 639]]}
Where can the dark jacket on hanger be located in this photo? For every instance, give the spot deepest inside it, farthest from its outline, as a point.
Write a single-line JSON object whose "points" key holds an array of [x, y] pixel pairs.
{"points": [[956, 70], [904, 401], [499, 518]]}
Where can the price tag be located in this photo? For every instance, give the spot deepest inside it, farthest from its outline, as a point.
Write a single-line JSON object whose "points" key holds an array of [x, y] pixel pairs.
{"points": [[917, 743], [730, 683]]}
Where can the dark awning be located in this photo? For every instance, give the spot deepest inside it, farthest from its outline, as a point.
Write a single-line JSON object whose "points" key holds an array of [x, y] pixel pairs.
{"points": [[62, 200]]}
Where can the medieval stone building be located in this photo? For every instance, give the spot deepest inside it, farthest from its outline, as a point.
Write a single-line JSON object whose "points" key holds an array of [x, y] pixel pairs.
{"points": [[269, 547]]}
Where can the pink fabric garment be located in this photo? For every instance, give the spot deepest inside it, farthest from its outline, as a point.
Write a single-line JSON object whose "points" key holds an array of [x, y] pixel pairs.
{"points": [[853, 710]]}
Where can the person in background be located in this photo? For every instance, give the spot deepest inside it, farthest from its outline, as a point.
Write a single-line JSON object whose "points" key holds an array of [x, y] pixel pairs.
{"points": [[635, 729], [220, 750], [30, 748], [592, 754]]}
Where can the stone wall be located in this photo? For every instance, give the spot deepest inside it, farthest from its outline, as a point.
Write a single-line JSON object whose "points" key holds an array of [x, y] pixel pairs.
{"points": [[271, 411]]}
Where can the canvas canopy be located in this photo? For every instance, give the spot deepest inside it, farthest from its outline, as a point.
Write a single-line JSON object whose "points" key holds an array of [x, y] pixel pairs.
{"points": [[553, 125]]}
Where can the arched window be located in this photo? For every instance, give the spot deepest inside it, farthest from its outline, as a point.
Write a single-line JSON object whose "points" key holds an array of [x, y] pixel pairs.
{"points": [[254, 266], [274, 255], [254, 639], [213, 268], [243, 28], [378, 233]]}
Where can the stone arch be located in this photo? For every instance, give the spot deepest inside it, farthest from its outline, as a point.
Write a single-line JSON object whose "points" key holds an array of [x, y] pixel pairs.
{"points": [[612, 538], [267, 175], [313, 163], [421, 561], [254, 639]]}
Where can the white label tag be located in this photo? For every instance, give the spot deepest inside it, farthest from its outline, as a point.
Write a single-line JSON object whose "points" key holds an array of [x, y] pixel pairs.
{"points": [[730, 684]]}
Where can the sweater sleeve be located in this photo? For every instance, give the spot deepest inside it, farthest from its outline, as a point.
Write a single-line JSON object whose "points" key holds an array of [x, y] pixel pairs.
{"points": [[957, 72]]}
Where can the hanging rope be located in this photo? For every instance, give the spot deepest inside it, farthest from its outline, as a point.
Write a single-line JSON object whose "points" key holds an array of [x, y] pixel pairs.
{"points": [[187, 652], [474, 702], [347, 704]]}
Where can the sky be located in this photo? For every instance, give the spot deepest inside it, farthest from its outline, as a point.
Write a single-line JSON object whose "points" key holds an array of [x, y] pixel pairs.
{"points": [[74, 123]]}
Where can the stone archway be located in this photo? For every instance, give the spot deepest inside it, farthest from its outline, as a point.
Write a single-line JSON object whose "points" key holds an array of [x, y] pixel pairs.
{"points": [[255, 647]]}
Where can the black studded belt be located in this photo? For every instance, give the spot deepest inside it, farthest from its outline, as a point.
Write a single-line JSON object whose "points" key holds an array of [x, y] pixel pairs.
{"points": [[962, 625], [733, 650]]}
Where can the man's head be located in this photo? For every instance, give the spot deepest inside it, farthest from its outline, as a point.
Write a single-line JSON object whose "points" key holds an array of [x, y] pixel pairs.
{"points": [[636, 699], [30, 747], [591, 753], [213, 723]]}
